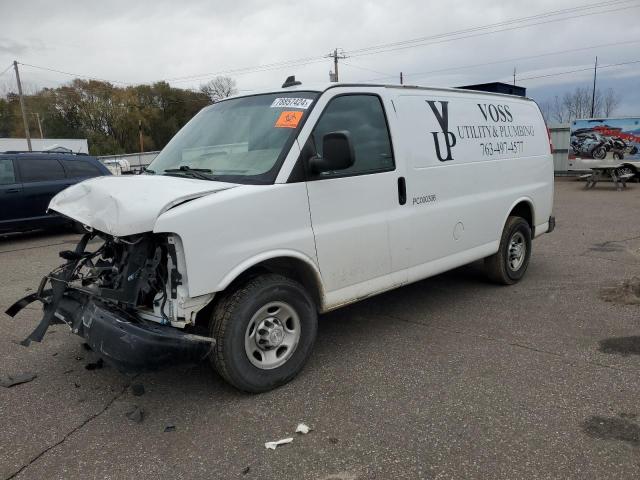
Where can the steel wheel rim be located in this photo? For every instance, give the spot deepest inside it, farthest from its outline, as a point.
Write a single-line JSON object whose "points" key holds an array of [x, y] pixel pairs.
{"points": [[272, 335], [517, 251]]}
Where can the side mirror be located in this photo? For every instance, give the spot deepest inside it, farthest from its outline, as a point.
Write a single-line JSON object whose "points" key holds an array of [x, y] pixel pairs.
{"points": [[337, 153]]}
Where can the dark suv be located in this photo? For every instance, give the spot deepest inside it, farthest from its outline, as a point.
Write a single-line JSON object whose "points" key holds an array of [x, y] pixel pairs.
{"points": [[28, 181]]}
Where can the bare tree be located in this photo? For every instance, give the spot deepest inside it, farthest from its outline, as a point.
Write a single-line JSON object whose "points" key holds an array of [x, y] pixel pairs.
{"points": [[577, 104], [610, 102], [219, 88]]}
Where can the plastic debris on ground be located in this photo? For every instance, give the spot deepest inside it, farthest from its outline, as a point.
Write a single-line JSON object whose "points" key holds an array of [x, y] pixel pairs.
{"points": [[136, 414], [273, 445], [303, 429], [8, 381]]}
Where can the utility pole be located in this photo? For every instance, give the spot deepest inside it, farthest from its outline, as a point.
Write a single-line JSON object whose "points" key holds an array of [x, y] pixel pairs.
{"points": [[401, 79], [514, 76], [39, 124], [140, 134], [593, 95], [24, 113], [335, 56]]}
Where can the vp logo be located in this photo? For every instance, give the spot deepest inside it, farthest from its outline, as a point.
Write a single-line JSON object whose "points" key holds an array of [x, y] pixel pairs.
{"points": [[443, 119]]}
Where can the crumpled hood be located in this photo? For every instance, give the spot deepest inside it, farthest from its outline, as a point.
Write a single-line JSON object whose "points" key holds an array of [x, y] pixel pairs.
{"points": [[126, 205]]}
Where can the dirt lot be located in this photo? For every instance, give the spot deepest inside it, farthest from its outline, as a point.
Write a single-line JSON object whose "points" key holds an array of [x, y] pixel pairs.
{"points": [[451, 377]]}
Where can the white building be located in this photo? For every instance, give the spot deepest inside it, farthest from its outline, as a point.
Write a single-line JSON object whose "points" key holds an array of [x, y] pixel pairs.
{"points": [[76, 145]]}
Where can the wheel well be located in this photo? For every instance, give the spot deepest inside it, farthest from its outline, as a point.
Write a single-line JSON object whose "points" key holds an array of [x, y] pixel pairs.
{"points": [[524, 210], [289, 267]]}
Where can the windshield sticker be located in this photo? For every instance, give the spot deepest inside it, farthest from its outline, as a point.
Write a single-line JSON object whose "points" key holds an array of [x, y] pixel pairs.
{"points": [[302, 103], [288, 119]]}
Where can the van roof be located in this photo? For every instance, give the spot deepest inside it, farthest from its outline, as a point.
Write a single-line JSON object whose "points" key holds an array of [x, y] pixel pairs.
{"points": [[322, 87]]}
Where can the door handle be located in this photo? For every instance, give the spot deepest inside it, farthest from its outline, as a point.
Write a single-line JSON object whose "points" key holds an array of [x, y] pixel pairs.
{"points": [[402, 190], [13, 190]]}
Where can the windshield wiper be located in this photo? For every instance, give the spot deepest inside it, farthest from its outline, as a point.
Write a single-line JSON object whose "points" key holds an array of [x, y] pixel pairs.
{"points": [[200, 173]]}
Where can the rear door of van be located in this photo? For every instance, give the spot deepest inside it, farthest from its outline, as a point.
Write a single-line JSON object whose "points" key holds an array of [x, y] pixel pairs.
{"points": [[470, 158]]}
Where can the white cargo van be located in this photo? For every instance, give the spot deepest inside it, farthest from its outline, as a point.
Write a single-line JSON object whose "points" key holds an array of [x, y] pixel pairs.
{"points": [[266, 210]]}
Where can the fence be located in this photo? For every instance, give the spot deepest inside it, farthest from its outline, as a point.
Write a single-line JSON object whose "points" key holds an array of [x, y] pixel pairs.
{"points": [[135, 160]]}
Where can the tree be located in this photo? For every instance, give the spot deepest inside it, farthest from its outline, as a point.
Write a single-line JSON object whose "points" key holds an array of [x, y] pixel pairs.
{"points": [[610, 102], [106, 115], [577, 104], [219, 88]]}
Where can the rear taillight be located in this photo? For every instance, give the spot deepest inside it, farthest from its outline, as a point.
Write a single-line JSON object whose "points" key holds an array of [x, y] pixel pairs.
{"points": [[550, 142]]}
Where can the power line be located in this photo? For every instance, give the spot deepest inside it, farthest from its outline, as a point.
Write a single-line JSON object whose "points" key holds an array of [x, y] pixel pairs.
{"points": [[600, 67], [77, 75], [509, 60], [483, 33], [245, 70], [350, 64], [6, 69], [494, 25], [425, 41]]}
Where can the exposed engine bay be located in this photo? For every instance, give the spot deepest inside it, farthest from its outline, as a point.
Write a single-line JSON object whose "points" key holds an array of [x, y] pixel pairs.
{"points": [[121, 292]]}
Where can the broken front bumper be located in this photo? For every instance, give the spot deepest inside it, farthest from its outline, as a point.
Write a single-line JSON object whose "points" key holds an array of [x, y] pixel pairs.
{"points": [[110, 326], [133, 344], [125, 341]]}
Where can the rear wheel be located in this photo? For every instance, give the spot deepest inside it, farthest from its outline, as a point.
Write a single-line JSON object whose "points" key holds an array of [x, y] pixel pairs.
{"points": [[510, 263], [264, 333]]}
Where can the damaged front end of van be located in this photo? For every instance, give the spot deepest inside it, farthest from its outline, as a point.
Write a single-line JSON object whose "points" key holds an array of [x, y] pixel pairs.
{"points": [[126, 295]]}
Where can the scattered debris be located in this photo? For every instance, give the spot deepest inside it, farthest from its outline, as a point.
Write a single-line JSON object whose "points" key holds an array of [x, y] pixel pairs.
{"points": [[246, 470], [76, 384], [87, 347], [95, 365], [68, 371], [55, 354], [8, 381], [303, 429], [137, 389], [170, 428], [333, 440], [273, 445], [136, 414], [627, 293], [78, 357]]}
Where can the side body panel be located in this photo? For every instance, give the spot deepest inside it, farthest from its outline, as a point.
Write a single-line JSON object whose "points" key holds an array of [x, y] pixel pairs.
{"points": [[470, 159], [234, 229]]}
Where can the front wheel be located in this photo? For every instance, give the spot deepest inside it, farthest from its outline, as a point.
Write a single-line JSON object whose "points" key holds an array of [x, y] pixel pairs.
{"points": [[264, 333], [510, 263]]}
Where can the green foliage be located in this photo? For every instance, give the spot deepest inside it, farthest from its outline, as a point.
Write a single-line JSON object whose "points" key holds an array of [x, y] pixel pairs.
{"points": [[106, 115]]}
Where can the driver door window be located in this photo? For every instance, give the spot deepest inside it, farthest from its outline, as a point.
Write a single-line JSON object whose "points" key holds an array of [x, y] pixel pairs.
{"points": [[363, 117]]}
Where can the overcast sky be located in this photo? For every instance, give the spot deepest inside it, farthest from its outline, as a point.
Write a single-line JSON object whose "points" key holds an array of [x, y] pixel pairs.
{"points": [[139, 41]]}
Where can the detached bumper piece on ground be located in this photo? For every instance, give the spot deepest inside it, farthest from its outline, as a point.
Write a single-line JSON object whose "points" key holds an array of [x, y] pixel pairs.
{"points": [[96, 301]]}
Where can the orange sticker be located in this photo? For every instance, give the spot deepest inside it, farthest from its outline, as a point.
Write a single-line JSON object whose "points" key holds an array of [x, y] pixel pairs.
{"points": [[288, 119]]}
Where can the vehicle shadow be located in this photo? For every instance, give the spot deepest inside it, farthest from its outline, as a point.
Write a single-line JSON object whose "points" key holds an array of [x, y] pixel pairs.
{"points": [[342, 334]]}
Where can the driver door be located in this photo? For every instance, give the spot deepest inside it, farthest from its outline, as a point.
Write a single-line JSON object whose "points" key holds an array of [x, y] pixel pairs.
{"points": [[352, 210]]}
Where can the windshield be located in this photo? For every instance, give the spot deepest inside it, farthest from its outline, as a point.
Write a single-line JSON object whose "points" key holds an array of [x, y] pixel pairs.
{"points": [[242, 140]]}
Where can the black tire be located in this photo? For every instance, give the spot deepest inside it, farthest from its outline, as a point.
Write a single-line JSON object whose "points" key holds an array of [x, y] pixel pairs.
{"points": [[599, 153], [229, 326], [498, 266]]}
